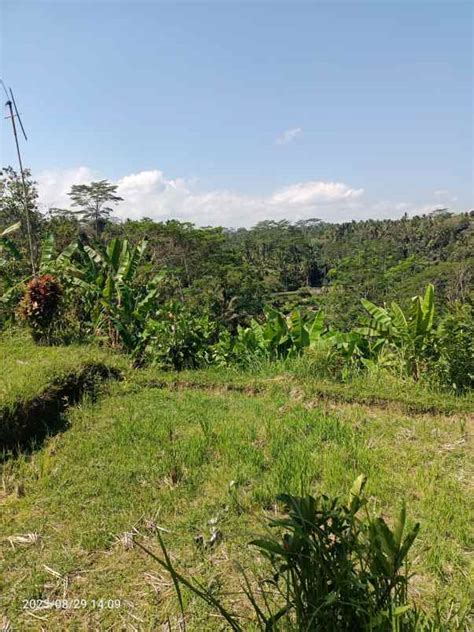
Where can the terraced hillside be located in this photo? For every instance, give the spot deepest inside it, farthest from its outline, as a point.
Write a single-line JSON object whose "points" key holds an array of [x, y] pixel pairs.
{"points": [[200, 457]]}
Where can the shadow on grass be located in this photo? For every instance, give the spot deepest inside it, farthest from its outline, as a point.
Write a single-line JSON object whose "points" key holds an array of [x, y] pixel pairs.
{"points": [[25, 426]]}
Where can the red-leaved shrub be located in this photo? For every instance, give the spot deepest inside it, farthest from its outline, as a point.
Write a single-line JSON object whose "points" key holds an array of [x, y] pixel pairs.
{"points": [[40, 304]]}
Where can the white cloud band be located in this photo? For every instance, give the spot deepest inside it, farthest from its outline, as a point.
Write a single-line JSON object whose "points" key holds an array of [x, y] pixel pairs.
{"points": [[151, 194]]}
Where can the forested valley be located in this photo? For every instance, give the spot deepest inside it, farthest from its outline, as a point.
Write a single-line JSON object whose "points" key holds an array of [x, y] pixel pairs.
{"points": [[167, 388]]}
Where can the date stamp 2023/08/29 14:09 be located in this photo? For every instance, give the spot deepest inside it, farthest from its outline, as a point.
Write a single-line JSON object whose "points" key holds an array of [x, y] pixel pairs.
{"points": [[72, 604]]}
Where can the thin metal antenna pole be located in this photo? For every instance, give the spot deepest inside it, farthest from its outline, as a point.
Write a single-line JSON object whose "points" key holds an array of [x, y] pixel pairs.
{"points": [[25, 195]]}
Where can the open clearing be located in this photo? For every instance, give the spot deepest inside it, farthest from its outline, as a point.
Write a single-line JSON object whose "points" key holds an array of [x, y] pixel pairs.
{"points": [[207, 452]]}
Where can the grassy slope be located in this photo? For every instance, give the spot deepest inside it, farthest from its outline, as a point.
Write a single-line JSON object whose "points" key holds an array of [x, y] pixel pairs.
{"points": [[296, 381], [26, 370], [180, 457]]}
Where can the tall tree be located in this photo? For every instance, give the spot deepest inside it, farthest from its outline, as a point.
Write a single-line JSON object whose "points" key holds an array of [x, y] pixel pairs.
{"points": [[93, 201], [12, 208]]}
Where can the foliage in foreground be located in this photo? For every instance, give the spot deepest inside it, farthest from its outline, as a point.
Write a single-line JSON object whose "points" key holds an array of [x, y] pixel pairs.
{"points": [[171, 455], [329, 570]]}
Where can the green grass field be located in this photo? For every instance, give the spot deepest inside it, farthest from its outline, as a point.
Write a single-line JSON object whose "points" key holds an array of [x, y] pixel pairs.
{"points": [[204, 451]]}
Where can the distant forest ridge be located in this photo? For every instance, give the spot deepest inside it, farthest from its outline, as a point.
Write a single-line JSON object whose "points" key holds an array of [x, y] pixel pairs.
{"points": [[310, 263]]}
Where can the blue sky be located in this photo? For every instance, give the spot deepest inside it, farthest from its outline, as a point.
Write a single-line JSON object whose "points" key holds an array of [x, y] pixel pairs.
{"points": [[232, 112]]}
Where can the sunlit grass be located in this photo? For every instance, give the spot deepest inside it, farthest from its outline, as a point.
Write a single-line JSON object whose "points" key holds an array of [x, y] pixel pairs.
{"points": [[190, 460], [26, 369]]}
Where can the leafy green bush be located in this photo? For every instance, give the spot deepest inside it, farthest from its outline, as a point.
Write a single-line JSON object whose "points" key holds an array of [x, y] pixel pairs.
{"points": [[277, 337], [409, 333], [324, 361], [335, 570], [104, 289], [454, 344], [178, 338]]}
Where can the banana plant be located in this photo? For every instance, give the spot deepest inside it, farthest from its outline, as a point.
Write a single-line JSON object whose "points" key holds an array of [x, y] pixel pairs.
{"points": [[279, 335], [105, 280], [8, 231], [8, 283], [409, 332], [7, 247]]}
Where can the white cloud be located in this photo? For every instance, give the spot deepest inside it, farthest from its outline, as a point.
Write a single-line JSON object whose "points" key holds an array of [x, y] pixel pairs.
{"points": [[288, 136], [307, 193], [54, 185], [151, 194]]}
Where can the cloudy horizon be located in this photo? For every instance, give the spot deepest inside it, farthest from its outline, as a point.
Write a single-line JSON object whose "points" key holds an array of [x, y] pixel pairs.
{"points": [[150, 193]]}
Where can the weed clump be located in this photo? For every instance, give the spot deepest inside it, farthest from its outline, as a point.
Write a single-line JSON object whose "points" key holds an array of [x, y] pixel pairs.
{"points": [[331, 568]]}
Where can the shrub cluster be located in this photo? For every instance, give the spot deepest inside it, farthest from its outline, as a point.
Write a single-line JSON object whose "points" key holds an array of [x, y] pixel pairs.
{"points": [[112, 293], [454, 350], [40, 304]]}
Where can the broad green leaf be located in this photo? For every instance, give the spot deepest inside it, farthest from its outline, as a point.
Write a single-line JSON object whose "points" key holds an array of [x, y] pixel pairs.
{"points": [[47, 251], [355, 495], [408, 541], [115, 251], [299, 333], [11, 229], [317, 326], [381, 318], [428, 307], [270, 546], [94, 255], [400, 526], [399, 319], [386, 539], [146, 303], [108, 288], [67, 253]]}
